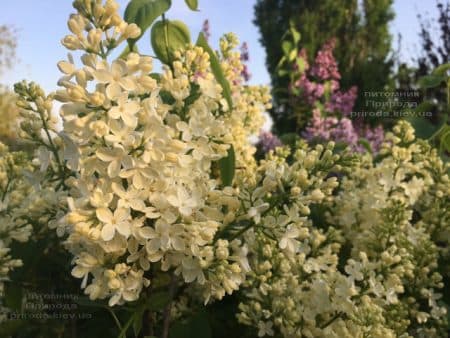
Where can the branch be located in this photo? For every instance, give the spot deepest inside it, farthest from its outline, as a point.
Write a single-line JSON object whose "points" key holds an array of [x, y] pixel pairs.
{"points": [[167, 310]]}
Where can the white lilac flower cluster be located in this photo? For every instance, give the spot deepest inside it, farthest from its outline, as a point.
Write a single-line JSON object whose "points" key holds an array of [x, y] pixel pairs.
{"points": [[31, 194], [13, 190], [395, 211], [145, 194], [24, 207], [369, 263]]}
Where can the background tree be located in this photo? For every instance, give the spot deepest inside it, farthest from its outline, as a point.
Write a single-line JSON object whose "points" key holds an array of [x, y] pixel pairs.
{"points": [[435, 52], [363, 42], [8, 109]]}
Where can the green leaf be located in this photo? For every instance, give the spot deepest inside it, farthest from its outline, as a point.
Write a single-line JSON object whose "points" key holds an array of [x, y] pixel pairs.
{"points": [[294, 32], [197, 326], [123, 333], [293, 54], [431, 81], [157, 301], [85, 301], [155, 76], [445, 140], [282, 72], [167, 97], [216, 69], [425, 107], [442, 69], [144, 12], [281, 63], [227, 167], [168, 37], [296, 36], [194, 94], [289, 139], [192, 4], [301, 64], [12, 327], [423, 127], [286, 46], [366, 144], [200, 326], [13, 296], [137, 321]]}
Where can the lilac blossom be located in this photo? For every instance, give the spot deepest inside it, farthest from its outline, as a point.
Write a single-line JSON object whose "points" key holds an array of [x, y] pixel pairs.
{"points": [[245, 57], [342, 130], [318, 86], [268, 141], [374, 135], [325, 65], [342, 102], [206, 29], [311, 91]]}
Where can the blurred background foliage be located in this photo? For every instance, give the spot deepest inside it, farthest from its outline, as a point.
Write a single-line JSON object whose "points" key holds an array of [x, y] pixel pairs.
{"points": [[363, 42], [366, 54], [8, 110]]}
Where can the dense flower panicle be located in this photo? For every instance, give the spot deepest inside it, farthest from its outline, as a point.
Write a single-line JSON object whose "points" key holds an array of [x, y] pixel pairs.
{"points": [[25, 205], [98, 28], [378, 210], [325, 66], [311, 91], [374, 135], [12, 227], [144, 151], [343, 130], [389, 283], [31, 198], [342, 102]]}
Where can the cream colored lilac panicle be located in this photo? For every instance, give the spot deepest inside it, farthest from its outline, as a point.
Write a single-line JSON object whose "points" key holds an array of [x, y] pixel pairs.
{"points": [[146, 193]]}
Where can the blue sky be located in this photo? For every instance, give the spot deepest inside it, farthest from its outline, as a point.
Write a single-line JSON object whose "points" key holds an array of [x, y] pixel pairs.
{"points": [[42, 24]]}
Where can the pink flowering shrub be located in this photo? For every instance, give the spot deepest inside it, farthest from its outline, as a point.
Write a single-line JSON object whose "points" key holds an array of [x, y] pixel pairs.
{"points": [[318, 86]]}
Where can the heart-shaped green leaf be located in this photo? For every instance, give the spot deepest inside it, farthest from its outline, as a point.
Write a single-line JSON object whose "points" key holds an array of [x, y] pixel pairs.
{"points": [[168, 37], [144, 12], [192, 4]]}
